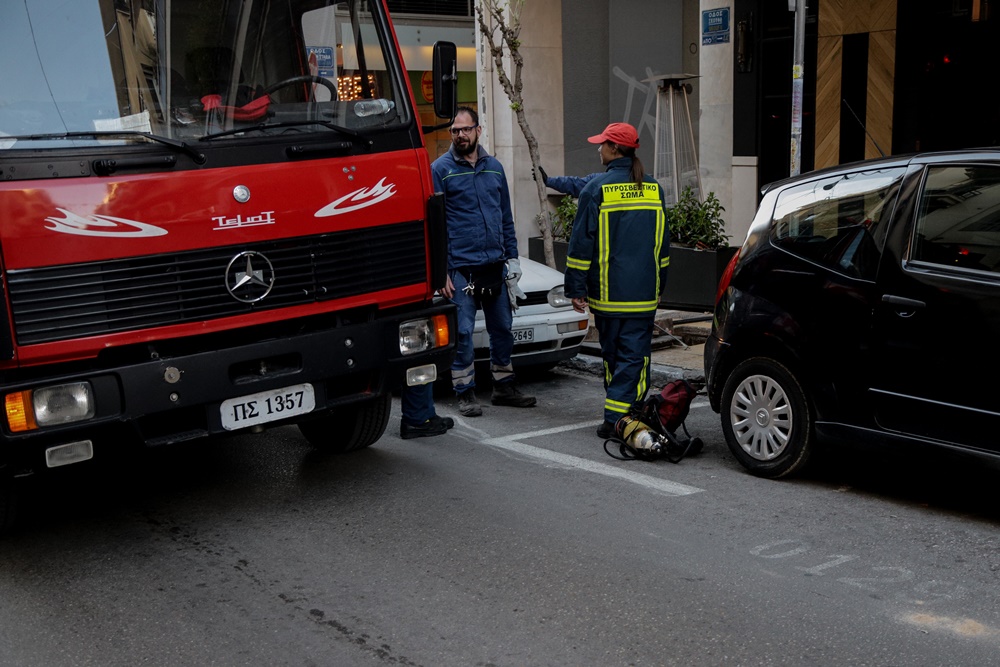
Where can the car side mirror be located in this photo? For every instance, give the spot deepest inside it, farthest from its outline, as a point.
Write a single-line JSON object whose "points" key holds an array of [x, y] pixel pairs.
{"points": [[445, 77]]}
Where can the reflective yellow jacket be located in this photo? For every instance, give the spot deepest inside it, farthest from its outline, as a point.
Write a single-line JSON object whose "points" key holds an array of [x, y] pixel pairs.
{"points": [[619, 251]]}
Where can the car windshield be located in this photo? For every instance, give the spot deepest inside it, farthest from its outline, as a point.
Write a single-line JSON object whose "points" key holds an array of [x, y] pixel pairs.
{"points": [[191, 69]]}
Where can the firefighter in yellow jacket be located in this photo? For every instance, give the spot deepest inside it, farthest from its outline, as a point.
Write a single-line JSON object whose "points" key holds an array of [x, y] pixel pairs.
{"points": [[617, 264]]}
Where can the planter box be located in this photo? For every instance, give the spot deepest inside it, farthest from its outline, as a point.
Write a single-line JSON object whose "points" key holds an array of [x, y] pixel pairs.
{"points": [[536, 251], [691, 282], [694, 277]]}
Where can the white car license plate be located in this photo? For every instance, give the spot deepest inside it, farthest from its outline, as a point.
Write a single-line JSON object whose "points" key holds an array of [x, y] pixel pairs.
{"points": [[523, 335], [267, 406]]}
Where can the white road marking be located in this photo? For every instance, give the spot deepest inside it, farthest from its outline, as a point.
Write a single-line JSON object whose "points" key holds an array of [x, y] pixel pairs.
{"points": [[512, 443]]}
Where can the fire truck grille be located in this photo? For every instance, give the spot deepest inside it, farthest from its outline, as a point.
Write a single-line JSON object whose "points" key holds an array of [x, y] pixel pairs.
{"points": [[65, 302]]}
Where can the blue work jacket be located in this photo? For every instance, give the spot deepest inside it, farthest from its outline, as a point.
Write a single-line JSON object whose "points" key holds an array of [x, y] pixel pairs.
{"points": [[619, 251], [570, 185], [477, 209]]}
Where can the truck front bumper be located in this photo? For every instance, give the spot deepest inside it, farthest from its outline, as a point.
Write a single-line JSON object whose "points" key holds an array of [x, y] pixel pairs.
{"points": [[172, 396]]}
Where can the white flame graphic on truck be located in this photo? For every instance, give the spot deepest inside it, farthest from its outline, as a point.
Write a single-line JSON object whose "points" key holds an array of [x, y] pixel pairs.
{"points": [[101, 225], [360, 198]]}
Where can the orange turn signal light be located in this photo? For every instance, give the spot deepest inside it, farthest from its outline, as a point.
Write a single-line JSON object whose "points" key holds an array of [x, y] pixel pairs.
{"points": [[441, 332], [20, 412]]}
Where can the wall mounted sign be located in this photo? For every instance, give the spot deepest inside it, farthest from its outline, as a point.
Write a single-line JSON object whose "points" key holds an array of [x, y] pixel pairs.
{"points": [[715, 26]]}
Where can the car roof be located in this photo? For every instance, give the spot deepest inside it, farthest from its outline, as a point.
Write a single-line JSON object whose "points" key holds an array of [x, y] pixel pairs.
{"points": [[926, 157]]}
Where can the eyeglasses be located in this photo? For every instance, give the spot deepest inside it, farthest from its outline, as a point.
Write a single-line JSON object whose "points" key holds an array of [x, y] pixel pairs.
{"points": [[455, 131]]}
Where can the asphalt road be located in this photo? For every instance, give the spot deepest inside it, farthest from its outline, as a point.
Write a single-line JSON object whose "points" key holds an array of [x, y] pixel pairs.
{"points": [[513, 540]]}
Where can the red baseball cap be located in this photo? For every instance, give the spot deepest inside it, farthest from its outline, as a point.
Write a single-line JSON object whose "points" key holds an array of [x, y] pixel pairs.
{"points": [[622, 134]]}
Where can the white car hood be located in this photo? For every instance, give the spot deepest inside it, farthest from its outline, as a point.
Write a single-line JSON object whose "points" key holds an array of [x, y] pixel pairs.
{"points": [[538, 277]]}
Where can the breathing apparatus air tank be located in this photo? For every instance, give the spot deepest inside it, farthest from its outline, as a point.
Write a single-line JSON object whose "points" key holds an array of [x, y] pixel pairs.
{"points": [[638, 436]]}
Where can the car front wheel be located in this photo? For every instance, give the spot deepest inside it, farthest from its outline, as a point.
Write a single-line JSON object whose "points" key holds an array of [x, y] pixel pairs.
{"points": [[766, 418]]}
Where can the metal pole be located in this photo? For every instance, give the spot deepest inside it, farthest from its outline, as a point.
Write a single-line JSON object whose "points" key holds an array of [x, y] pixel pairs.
{"points": [[657, 140], [694, 148], [797, 82], [673, 147]]}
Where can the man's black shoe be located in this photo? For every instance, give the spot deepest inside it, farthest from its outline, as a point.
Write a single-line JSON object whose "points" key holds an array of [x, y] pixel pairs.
{"points": [[605, 430], [508, 394], [468, 405], [433, 426]]}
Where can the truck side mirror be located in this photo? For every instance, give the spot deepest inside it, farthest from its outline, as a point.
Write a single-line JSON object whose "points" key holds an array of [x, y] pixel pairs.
{"points": [[445, 76]]}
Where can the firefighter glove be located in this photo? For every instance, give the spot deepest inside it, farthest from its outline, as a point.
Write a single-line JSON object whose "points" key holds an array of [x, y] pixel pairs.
{"points": [[540, 172], [513, 276]]}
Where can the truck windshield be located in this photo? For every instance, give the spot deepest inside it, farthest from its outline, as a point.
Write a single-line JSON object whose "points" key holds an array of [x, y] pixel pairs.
{"points": [[98, 72]]}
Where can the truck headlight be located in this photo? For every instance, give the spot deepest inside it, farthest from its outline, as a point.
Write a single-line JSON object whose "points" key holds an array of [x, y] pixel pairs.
{"points": [[423, 334], [59, 404]]}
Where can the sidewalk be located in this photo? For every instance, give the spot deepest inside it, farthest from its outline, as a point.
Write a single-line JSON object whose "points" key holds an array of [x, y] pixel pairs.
{"points": [[671, 358]]}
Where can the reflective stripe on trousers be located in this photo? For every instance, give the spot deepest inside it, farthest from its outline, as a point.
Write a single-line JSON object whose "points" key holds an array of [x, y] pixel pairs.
{"points": [[626, 344]]}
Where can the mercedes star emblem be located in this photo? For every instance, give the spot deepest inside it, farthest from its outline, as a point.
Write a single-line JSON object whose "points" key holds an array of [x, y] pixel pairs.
{"points": [[249, 276], [241, 193]]}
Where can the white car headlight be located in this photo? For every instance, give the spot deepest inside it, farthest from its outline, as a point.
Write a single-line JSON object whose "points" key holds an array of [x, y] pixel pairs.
{"points": [[557, 297], [425, 334], [63, 404], [415, 336]]}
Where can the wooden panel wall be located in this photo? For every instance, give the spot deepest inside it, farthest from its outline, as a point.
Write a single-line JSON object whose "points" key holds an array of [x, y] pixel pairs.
{"points": [[829, 56], [881, 72], [845, 17]]}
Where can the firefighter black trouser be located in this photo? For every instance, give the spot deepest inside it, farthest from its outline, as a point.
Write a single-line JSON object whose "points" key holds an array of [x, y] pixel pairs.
{"points": [[625, 348]]}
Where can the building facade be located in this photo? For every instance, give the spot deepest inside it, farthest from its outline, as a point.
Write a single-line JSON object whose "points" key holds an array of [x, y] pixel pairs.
{"points": [[880, 76]]}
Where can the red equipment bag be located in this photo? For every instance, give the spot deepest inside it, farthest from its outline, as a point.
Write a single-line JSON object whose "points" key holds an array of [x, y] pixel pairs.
{"points": [[675, 402], [649, 430]]}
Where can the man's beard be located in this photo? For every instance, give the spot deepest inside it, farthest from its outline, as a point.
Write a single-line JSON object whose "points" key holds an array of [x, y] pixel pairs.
{"points": [[468, 148]]}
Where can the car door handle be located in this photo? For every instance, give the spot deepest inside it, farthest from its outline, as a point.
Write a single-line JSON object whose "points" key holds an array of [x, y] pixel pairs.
{"points": [[902, 301], [904, 307]]}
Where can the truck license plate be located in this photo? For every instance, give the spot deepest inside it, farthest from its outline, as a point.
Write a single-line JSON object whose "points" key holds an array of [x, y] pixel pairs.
{"points": [[523, 335], [267, 406]]}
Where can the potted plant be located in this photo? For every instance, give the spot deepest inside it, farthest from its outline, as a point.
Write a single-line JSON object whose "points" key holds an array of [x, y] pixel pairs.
{"points": [[562, 228], [699, 252]]}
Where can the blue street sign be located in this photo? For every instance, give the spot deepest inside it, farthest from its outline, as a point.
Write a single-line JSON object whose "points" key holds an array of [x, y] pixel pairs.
{"points": [[715, 26]]}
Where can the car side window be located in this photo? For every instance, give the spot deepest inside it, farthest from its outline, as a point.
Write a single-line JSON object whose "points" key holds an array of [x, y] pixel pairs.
{"points": [[836, 221], [958, 224]]}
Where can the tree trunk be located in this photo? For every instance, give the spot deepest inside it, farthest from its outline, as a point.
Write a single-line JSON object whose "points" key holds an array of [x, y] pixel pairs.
{"points": [[509, 31], [544, 218]]}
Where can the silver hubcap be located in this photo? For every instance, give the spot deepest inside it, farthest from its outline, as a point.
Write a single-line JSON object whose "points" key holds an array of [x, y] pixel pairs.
{"points": [[761, 417]]}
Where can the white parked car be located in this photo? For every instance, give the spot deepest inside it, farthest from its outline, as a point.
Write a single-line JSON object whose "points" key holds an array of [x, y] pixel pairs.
{"points": [[546, 328]]}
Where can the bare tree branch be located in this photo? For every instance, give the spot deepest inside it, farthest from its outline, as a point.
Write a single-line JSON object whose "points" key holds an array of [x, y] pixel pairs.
{"points": [[502, 34]]}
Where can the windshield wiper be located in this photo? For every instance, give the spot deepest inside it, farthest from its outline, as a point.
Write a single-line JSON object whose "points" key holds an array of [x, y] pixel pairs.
{"points": [[288, 123], [176, 144]]}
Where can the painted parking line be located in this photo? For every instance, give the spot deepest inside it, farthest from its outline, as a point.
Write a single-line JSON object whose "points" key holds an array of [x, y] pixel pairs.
{"points": [[512, 443]]}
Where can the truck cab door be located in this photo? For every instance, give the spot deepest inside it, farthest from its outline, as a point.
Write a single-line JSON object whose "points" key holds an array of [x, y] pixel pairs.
{"points": [[937, 321]]}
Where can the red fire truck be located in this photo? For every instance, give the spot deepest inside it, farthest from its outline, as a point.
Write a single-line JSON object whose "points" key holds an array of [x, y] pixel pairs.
{"points": [[215, 215]]}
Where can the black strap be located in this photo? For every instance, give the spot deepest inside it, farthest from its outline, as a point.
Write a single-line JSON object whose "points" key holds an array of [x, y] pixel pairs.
{"points": [[485, 276], [485, 280]]}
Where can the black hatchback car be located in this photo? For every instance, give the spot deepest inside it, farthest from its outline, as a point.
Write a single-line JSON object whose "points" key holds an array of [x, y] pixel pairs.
{"points": [[864, 305]]}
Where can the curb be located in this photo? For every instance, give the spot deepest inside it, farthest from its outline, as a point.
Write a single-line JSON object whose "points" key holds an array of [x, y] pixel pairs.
{"points": [[660, 374]]}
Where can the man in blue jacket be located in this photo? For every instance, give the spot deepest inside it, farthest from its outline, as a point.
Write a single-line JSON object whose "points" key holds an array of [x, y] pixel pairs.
{"points": [[617, 264], [482, 259]]}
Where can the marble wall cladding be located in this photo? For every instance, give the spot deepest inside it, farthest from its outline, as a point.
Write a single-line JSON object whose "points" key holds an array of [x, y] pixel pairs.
{"points": [[541, 48], [715, 138]]}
